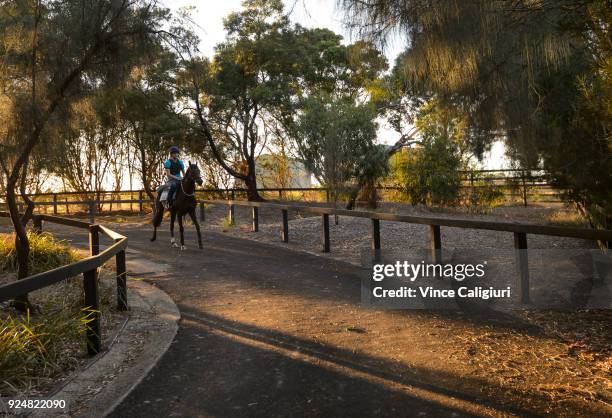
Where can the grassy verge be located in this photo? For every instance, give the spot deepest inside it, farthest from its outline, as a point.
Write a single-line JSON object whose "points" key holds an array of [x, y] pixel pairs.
{"points": [[46, 253], [38, 348]]}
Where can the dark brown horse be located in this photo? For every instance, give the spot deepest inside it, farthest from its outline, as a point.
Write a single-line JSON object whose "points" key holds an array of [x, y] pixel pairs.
{"points": [[184, 203]]}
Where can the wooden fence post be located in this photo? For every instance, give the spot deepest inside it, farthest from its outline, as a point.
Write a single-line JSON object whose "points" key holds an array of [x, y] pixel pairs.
{"points": [[231, 214], [67, 207], [37, 222], [255, 212], [436, 244], [522, 264], [92, 212], [122, 304], [140, 199], [376, 239], [524, 188], [55, 203], [202, 212], [285, 231], [325, 233], [92, 305]]}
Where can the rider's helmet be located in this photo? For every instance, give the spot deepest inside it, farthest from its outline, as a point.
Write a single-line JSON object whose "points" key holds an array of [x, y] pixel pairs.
{"points": [[174, 149]]}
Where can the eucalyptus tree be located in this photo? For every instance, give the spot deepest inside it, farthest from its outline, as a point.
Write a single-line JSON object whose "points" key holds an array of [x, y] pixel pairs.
{"points": [[337, 136], [243, 87], [52, 52], [334, 116], [148, 108], [534, 73]]}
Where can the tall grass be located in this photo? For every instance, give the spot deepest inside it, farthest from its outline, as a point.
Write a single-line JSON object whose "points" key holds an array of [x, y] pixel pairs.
{"points": [[34, 349], [46, 253], [227, 222]]}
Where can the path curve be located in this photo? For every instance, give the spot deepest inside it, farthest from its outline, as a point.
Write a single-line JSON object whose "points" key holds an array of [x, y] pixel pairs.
{"points": [[267, 331]]}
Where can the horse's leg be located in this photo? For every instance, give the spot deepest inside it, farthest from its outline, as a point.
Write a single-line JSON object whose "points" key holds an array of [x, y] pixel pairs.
{"points": [[181, 230], [158, 216], [194, 219], [172, 218]]}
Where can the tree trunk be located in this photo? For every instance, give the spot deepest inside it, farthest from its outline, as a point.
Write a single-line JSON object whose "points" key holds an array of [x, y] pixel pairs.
{"points": [[251, 185], [22, 244], [251, 182]]}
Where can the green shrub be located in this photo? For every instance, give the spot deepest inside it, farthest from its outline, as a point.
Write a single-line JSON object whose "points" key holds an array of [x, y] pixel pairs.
{"points": [[227, 222], [34, 350], [46, 253], [484, 195], [430, 174]]}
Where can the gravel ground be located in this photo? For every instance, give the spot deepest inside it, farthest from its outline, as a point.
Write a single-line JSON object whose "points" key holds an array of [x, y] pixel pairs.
{"points": [[350, 238]]}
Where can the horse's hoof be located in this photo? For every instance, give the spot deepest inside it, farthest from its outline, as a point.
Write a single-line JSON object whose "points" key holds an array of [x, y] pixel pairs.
{"points": [[183, 247]]}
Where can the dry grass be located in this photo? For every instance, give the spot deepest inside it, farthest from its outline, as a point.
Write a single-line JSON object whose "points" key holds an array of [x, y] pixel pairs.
{"points": [[568, 219], [46, 253], [38, 347]]}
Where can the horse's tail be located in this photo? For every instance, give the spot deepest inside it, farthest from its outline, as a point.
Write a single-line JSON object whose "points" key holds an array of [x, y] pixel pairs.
{"points": [[159, 213]]}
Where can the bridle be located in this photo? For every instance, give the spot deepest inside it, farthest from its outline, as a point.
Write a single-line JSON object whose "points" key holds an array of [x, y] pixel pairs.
{"points": [[194, 189]]}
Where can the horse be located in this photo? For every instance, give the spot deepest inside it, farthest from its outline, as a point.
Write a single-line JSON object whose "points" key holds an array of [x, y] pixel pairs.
{"points": [[184, 203]]}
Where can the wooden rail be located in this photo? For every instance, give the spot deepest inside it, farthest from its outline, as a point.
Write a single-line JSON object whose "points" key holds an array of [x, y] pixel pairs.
{"points": [[519, 184], [519, 230], [88, 267]]}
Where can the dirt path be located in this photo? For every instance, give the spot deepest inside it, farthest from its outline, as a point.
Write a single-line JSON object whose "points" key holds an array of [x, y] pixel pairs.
{"points": [[268, 331], [273, 332]]}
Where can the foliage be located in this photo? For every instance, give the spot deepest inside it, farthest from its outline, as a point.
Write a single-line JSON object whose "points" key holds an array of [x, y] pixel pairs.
{"points": [[46, 253], [227, 222], [337, 141], [239, 93], [52, 54], [430, 173], [534, 73], [484, 195], [251, 92], [34, 348]]}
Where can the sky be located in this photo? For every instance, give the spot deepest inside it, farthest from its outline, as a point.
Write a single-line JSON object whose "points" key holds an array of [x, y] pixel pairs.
{"points": [[208, 16]]}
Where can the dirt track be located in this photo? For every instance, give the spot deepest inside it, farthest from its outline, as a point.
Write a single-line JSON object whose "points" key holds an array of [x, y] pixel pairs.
{"points": [[273, 332], [268, 331]]}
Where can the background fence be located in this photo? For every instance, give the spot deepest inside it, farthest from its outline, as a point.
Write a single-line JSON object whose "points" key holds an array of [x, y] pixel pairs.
{"points": [[516, 186]]}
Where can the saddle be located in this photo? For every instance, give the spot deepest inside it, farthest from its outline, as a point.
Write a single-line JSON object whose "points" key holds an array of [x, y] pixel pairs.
{"points": [[162, 192]]}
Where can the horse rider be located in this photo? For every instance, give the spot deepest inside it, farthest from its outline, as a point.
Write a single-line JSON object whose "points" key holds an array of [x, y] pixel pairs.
{"points": [[175, 170]]}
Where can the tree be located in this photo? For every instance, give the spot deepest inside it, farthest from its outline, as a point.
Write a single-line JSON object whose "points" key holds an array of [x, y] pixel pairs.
{"points": [[533, 73], [336, 138], [238, 93], [50, 53], [81, 158], [247, 96], [147, 107]]}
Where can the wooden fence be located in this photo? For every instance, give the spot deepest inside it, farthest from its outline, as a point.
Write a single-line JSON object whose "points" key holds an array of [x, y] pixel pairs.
{"points": [[88, 267], [517, 185], [519, 230]]}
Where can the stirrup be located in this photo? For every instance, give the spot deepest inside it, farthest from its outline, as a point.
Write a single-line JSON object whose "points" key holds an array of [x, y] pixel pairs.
{"points": [[165, 204]]}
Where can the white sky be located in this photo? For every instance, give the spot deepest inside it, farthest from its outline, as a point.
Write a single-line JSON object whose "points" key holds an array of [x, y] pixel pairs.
{"points": [[209, 15]]}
